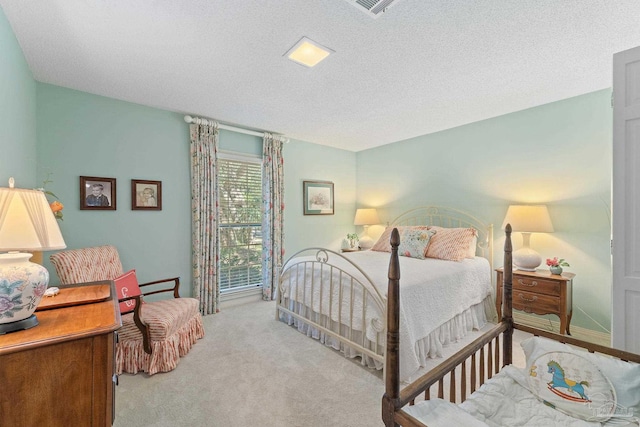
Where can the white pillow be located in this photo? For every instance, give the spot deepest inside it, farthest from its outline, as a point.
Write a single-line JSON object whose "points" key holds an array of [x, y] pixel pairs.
{"points": [[624, 376], [573, 385]]}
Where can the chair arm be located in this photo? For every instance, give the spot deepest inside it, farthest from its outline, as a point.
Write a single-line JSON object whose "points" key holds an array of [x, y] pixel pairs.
{"points": [[144, 329], [175, 287]]}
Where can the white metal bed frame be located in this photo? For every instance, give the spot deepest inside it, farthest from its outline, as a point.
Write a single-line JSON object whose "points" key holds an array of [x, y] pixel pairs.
{"points": [[350, 335]]}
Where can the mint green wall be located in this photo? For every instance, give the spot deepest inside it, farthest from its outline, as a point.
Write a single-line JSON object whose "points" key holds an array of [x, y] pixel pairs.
{"points": [[558, 154], [80, 134], [17, 112], [311, 162]]}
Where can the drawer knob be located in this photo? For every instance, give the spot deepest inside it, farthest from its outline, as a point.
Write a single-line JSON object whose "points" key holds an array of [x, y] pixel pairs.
{"points": [[532, 284], [522, 297]]}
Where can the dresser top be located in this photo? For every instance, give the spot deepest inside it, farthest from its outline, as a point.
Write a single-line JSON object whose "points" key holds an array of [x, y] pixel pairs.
{"points": [[78, 311]]}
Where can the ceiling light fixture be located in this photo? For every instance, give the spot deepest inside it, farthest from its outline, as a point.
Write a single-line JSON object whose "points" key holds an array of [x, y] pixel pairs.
{"points": [[307, 52]]}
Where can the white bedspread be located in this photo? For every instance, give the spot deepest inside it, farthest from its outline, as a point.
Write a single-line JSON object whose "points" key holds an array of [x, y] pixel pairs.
{"points": [[432, 292], [503, 400]]}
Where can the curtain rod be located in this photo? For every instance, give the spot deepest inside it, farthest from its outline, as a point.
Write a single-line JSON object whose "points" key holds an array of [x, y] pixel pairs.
{"points": [[201, 121]]}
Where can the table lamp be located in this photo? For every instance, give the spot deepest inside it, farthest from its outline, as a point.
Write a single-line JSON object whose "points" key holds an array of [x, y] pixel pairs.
{"points": [[528, 219], [366, 217], [26, 224]]}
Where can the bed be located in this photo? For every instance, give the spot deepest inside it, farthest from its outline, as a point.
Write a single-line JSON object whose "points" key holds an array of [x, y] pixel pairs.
{"points": [[565, 382], [340, 299]]}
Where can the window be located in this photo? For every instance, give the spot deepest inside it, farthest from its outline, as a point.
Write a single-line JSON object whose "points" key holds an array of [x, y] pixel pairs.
{"points": [[240, 194]]}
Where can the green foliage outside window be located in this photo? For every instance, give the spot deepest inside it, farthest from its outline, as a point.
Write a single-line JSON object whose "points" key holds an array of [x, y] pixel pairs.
{"points": [[240, 203]]}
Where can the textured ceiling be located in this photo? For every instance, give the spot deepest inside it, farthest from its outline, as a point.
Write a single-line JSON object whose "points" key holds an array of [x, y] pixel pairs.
{"points": [[423, 66]]}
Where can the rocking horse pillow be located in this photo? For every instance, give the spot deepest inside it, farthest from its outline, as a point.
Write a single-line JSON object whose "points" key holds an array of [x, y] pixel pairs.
{"points": [[573, 385], [624, 376]]}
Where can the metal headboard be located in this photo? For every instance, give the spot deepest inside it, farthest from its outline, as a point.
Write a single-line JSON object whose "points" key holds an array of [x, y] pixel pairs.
{"points": [[451, 218]]}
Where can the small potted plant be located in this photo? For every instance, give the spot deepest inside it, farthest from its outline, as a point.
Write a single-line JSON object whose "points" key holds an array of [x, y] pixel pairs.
{"points": [[555, 265]]}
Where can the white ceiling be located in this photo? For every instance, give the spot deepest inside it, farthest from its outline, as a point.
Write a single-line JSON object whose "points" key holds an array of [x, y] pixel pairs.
{"points": [[421, 67]]}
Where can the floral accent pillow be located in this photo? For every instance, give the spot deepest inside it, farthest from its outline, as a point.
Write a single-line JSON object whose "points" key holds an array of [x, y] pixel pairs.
{"points": [[414, 243], [384, 245], [451, 243]]}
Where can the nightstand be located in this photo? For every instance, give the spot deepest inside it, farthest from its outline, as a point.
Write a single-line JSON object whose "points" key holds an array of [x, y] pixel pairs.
{"points": [[540, 292]]}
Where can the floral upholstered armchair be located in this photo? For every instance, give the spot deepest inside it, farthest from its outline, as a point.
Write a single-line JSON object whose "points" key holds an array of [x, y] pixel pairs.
{"points": [[154, 335]]}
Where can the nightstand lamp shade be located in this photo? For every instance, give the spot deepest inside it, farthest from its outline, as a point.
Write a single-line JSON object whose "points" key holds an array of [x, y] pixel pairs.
{"points": [[528, 219], [26, 224], [366, 217]]}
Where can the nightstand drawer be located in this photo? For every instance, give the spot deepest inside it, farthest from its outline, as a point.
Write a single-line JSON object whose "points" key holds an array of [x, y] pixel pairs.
{"points": [[535, 303], [539, 292], [535, 284]]}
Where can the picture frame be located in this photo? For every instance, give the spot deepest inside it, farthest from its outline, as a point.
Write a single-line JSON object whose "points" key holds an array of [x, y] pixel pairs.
{"points": [[97, 193], [146, 195], [317, 197]]}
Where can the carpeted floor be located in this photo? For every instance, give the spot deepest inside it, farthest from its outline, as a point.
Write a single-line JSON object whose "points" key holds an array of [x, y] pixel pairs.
{"points": [[251, 370]]}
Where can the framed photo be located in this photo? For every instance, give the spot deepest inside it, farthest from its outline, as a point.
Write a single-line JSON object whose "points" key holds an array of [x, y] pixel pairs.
{"points": [[97, 193], [317, 197], [146, 195]]}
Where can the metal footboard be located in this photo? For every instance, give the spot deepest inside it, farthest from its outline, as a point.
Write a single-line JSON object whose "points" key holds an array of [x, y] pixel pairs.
{"points": [[328, 292]]}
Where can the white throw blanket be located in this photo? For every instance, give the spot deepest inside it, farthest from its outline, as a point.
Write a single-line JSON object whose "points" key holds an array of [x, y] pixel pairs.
{"points": [[432, 292], [504, 400]]}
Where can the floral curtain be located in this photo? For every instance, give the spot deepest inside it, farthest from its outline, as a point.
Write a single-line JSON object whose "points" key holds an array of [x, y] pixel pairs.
{"points": [[204, 211], [272, 213]]}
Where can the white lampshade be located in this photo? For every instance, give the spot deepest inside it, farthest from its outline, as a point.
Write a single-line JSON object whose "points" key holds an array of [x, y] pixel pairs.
{"points": [[26, 223], [366, 217], [528, 219]]}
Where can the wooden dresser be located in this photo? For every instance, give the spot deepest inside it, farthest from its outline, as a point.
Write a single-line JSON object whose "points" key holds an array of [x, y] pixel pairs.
{"points": [[540, 292], [62, 372]]}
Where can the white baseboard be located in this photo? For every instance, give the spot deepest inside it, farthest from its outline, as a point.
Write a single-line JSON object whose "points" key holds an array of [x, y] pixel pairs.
{"points": [[596, 337]]}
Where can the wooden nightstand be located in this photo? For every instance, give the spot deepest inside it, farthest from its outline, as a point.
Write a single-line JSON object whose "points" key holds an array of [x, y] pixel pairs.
{"points": [[540, 292]]}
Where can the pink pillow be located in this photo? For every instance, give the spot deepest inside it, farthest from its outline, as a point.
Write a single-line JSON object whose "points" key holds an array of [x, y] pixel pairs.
{"points": [[384, 245], [451, 243], [127, 286]]}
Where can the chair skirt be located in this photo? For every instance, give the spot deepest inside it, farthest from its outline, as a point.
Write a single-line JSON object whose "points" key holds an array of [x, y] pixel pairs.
{"points": [[176, 324]]}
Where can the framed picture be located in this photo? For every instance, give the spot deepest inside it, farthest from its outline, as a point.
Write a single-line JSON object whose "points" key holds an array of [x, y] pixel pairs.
{"points": [[146, 195], [97, 193], [317, 197]]}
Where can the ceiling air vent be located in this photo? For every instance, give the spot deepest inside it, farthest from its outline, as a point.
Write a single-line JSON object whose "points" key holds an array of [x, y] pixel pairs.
{"points": [[373, 8]]}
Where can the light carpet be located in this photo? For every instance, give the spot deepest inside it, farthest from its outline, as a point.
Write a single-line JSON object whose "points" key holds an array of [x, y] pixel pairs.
{"points": [[251, 370]]}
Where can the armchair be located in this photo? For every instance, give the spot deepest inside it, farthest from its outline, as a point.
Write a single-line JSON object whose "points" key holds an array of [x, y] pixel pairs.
{"points": [[155, 334]]}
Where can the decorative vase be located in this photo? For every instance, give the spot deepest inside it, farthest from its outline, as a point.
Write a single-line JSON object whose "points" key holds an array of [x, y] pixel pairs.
{"points": [[555, 269], [345, 244], [22, 285]]}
